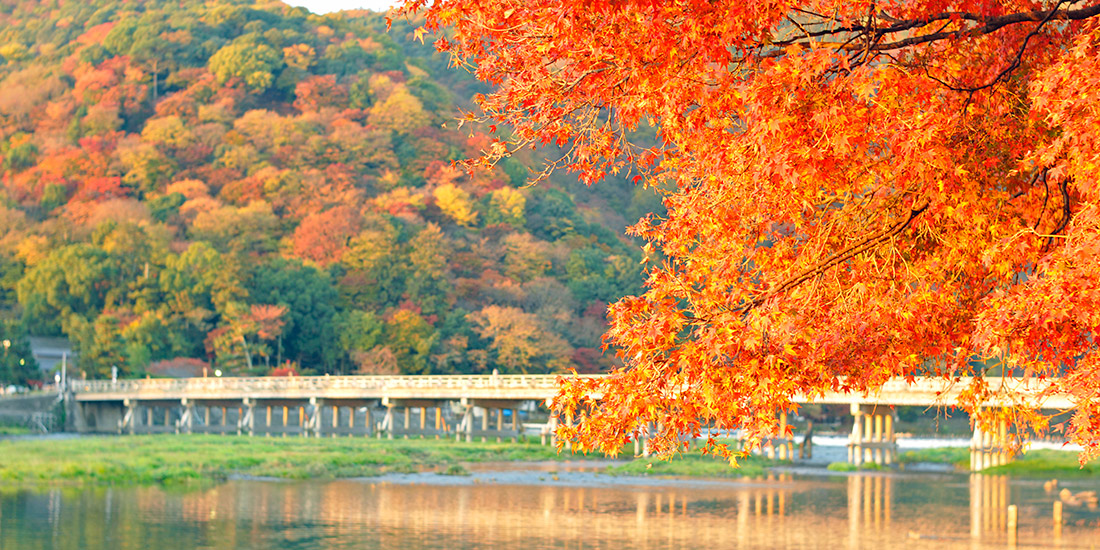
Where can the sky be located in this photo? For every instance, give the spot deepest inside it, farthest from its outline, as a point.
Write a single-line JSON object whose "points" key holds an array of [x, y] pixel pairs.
{"points": [[326, 6]]}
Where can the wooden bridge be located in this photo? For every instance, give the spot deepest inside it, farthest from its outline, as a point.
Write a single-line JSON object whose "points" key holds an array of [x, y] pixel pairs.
{"points": [[462, 406]]}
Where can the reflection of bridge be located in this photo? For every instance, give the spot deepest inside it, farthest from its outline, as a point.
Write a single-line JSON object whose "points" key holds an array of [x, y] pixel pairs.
{"points": [[460, 406]]}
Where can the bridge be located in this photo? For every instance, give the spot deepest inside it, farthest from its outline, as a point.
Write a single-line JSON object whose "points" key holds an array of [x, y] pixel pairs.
{"points": [[460, 406], [35, 410]]}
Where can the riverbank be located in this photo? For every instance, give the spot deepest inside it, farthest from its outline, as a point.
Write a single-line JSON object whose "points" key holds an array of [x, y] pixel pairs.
{"points": [[197, 459], [175, 460], [1037, 463]]}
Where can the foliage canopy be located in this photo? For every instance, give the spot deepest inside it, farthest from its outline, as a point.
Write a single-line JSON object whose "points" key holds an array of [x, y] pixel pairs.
{"points": [[248, 184], [863, 190]]}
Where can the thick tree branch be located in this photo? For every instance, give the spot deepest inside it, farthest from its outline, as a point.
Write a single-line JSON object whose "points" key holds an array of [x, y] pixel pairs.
{"points": [[871, 241], [986, 25]]}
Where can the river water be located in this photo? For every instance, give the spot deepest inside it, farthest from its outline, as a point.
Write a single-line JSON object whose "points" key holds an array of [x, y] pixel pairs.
{"points": [[554, 506]]}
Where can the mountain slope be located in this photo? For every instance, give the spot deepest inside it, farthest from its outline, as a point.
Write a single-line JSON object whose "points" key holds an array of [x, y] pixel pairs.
{"points": [[250, 184]]}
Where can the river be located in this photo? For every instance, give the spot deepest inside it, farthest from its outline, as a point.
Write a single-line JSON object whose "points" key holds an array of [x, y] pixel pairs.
{"points": [[553, 506]]}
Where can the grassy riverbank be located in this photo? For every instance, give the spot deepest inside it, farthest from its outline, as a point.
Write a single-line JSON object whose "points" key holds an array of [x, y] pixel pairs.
{"points": [[693, 466], [1039, 463], [197, 459], [171, 459]]}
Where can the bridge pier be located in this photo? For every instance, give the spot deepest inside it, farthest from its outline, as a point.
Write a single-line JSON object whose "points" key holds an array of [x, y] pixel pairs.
{"points": [[489, 415], [129, 418], [329, 418], [283, 416], [466, 425], [387, 422], [140, 416], [780, 447], [186, 421], [988, 450], [872, 439], [246, 421], [211, 416]]}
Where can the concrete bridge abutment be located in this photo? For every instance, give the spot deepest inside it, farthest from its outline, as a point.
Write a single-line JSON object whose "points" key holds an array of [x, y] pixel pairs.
{"points": [[872, 439], [989, 449]]}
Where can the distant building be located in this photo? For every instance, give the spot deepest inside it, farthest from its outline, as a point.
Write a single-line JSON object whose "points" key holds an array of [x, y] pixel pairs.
{"points": [[49, 351]]}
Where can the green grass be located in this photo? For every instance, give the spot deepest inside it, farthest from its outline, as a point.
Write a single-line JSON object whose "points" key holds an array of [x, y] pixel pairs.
{"points": [[14, 430], [693, 466], [455, 470], [1048, 463], [189, 460], [957, 456], [1036, 463], [846, 467], [185, 460]]}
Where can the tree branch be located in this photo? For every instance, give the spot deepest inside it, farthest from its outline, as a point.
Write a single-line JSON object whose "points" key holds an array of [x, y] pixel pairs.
{"points": [[866, 244], [987, 25]]}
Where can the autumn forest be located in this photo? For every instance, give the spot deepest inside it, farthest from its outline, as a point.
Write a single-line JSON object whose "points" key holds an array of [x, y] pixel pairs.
{"points": [[251, 187]]}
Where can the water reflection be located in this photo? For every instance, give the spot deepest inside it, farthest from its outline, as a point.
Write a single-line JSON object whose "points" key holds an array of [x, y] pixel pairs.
{"points": [[879, 511]]}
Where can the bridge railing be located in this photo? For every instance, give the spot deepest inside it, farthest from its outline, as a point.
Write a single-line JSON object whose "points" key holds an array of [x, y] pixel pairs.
{"points": [[922, 391], [307, 383]]}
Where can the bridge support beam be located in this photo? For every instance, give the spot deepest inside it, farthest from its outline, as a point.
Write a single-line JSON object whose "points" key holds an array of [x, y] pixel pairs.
{"points": [[341, 416], [872, 438], [129, 417], [387, 422], [780, 447], [247, 421], [212, 416], [492, 418], [990, 449], [465, 428], [187, 418]]}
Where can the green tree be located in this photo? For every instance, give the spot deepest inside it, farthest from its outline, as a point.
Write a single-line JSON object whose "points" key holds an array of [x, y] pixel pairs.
{"points": [[427, 282], [595, 275], [309, 337], [507, 205], [11, 270], [358, 332], [17, 364], [98, 344], [411, 339], [153, 337], [255, 64], [77, 280], [375, 277]]}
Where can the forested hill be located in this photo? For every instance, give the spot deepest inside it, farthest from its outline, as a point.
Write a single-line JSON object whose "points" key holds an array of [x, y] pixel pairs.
{"points": [[247, 184]]}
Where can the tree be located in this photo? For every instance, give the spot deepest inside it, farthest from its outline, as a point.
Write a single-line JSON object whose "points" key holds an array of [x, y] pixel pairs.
{"points": [[427, 280], [520, 344], [308, 297], [324, 236], [248, 328], [317, 92], [506, 205], [859, 191], [74, 281], [255, 64], [455, 202], [17, 363]]}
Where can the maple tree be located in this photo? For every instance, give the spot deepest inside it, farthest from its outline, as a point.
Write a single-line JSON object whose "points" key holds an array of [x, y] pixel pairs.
{"points": [[858, 190]]}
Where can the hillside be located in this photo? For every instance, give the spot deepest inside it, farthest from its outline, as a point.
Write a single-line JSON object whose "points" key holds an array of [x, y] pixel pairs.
{"points": [[248, 184]]}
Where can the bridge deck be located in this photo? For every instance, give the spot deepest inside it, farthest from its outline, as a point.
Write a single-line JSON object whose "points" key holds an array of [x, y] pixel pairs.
{"points": [[922, 392]]}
